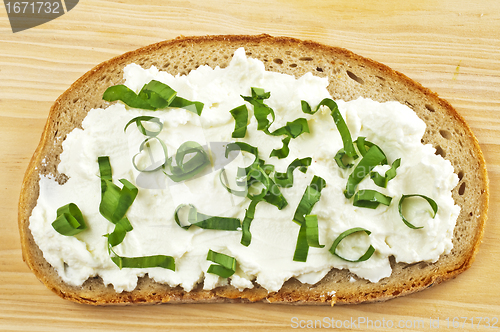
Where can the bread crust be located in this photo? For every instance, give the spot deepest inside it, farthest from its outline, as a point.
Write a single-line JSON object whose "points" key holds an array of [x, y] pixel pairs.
{"points": [[350, 76]]}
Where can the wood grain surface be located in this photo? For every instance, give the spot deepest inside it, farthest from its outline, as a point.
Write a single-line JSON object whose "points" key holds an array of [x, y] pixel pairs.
{"points": [[451, 47]]}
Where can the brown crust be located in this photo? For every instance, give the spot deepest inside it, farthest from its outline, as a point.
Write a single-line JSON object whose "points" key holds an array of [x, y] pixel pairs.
{"points": [[350, 76]]}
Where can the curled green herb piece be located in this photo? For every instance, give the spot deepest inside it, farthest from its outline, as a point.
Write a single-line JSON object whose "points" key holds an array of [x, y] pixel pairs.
{"points": [[105, 171], [191, 106], [114, 204], [308, 237], [369, 252], [363, 146], [268, 168], [127, 96], [339, 122], [166, 262], [342, 127], [155, 165], [153, 95], [284, 151], [69, 220], [258, 173], [340, 159], [205, 221], [240, 193], [260, 94], [311, 196], [306, 108], [286, 179], [121, 229], [372, 158], [390, 174], [370, 199], [431, 202], [312, 231], [291, 130], [260, 110], [273, 194], [225, 265], [158, 94], [115, 201], [302, 247], [246, 235], [140, 119], [184, 170], [240, 115], [144, 262], [241, 146]]}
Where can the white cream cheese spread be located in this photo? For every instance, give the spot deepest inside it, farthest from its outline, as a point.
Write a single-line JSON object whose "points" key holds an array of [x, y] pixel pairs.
{"points": [[268, 260]]}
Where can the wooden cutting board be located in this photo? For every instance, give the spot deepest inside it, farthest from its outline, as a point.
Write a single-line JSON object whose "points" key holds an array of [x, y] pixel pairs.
{"points": [[451, 47]]}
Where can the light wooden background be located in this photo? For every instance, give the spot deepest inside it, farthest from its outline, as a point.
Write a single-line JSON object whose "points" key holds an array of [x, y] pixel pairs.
{"points": [[451, 47]]}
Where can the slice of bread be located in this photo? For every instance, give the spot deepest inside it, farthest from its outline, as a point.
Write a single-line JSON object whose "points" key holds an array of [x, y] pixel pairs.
{"points": [[350, 76]]}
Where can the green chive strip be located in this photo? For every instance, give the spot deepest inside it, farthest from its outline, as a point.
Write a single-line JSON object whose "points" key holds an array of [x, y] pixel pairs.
{"points": [[369, 252], [225, 265], [260, 110], [246, 236], [205, 221], [146, 143], [140, 119], [184, 170], [339, 122], [155, 165], [273, 194], [370, 199], [121, 229], [291, 130], [114, 201], [431, 202], [286, 179], [390, 174], [241, 146], [240, 115], [363, 146], [144, 262], [191, 106], [114, 204], [153, 95], [69, 220], [308, 237], [312, 231], [258, 173], [341, 159], [158, 94], [302, 247], [127, 96], [240, 193], [284, 151], [372, 158], [105, 171], [311, 196]]}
